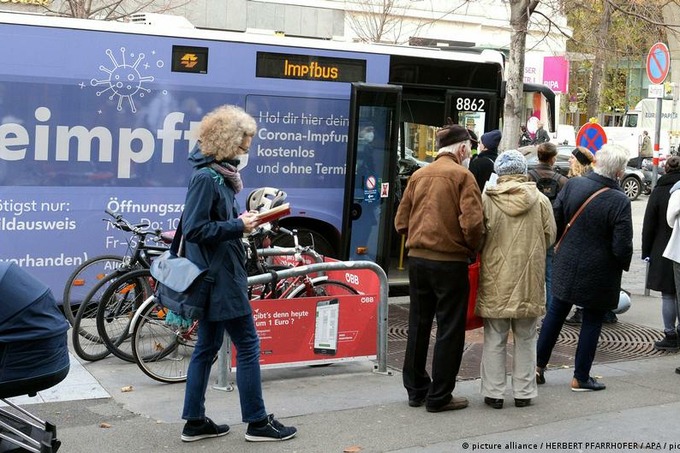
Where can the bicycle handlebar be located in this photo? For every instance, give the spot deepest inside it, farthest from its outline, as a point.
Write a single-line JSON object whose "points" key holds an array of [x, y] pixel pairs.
{"points": [[124, 225]]}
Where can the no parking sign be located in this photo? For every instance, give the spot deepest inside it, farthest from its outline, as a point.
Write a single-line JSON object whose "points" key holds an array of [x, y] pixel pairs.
{"points": [[591, 136], [658, 63]]}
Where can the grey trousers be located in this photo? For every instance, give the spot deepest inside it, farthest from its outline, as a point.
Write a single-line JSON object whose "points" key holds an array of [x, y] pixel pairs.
{"points": [[493, 371]]}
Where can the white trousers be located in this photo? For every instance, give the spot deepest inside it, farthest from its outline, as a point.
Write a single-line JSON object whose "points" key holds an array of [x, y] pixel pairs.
{"points": [[523, 357]]}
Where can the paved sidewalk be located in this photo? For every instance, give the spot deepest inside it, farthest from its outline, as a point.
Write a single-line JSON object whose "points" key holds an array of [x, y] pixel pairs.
{"points": [[347, 405]]}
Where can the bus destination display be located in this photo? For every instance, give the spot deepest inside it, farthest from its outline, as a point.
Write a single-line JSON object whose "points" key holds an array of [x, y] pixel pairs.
{"points": [[310, 67]]}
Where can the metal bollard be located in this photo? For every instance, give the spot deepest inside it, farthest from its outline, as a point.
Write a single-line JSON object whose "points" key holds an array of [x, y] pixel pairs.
{"points": [[646, 277], [223, 360]]}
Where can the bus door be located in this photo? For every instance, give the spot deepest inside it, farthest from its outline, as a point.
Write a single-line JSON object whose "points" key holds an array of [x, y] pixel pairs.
{"points": [[371, 177], [475, 110]]}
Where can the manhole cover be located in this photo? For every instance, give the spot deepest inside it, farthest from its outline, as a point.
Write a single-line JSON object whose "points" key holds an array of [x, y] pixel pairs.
{"points": [[620, 341]]}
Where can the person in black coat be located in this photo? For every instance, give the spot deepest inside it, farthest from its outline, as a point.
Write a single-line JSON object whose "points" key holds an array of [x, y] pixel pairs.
{"points": [[481, 165], [655, 236], [589, 261]]}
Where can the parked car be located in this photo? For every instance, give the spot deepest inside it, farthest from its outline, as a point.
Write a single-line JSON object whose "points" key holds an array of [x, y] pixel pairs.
{"points": [[633, 182], [647, 169]]}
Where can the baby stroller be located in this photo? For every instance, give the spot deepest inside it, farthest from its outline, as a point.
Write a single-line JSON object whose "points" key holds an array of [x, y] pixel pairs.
{"points": [[33, 357]]}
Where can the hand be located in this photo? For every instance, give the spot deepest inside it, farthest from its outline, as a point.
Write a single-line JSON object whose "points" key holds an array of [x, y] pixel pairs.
{"points": [[250, 221]]}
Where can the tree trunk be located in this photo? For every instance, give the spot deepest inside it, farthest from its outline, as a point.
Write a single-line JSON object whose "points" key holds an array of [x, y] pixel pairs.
{"points": [[520, 11], [595, 91]]}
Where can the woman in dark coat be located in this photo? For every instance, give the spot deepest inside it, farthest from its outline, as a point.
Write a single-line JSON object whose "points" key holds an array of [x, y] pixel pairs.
{"points": [[589, 261], [213, 229], [655, 236]]}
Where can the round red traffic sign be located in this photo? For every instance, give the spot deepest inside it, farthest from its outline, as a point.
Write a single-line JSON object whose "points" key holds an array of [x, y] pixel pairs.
{"points": [[370, 182], [591, 136], [658, 63]]}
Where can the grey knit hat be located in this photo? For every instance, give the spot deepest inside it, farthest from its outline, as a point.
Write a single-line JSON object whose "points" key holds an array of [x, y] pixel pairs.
{"points": [[510, 162]]}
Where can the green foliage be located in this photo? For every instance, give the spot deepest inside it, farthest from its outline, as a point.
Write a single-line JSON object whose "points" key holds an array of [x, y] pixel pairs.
{"points": [[632, 31]]}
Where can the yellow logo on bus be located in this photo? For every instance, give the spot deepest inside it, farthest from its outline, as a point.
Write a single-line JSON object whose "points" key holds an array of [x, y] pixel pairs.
{"points": [[189, 60]]}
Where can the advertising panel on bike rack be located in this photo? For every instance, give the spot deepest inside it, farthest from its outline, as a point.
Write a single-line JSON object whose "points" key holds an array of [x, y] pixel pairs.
{"points": [[316, 329], [324, 329]]}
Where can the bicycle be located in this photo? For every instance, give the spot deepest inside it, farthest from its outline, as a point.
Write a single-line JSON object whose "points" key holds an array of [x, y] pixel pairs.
{"points": [[93, 270], [117, 306], [86, 338], [299, 286], [162, 347]]}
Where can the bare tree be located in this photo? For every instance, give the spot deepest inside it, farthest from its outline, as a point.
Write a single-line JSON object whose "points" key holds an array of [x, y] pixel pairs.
{"points": [[111, 9], [383, 20], [520, 13], [601, 36], [375, 22]]}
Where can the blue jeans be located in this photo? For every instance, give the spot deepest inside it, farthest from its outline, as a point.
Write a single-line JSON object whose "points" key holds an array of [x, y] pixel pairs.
{"points": [[587, 340], [210, 336], [548, 276], [669, 313]]}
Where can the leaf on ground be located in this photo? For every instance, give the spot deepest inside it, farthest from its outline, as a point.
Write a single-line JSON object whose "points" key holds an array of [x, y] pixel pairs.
{"points": [[104, 425], [352, 449], [127, 388]]}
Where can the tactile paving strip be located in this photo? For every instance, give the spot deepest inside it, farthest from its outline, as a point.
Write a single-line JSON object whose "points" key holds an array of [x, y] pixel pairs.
{"points": [[620, 341]]}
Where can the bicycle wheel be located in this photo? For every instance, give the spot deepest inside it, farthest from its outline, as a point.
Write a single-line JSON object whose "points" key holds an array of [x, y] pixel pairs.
{"points": [[117, 306], [322, 288], [162, 349], [83, 279], [85, 338]]}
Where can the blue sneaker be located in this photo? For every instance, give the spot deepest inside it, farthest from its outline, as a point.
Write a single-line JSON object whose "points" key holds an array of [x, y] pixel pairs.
{"points": [[206, 430], [272, 431], [591, 385]]}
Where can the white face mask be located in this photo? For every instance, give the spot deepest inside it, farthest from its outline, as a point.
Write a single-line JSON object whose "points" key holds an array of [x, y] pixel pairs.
{"points": [[466, 162], [242, 161]]}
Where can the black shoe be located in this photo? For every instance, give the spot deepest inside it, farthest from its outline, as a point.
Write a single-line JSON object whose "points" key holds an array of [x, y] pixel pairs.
{"points": [[453, 405], [576, 318], [272, 431], [416, 402], [591, 385], [610, 318], [206, 430], [496, 403], [677, 370], [540, 376], [522, 402], [668, 343]]}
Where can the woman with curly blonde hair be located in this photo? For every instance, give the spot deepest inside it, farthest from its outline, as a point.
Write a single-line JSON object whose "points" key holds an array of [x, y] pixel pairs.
{"points": [[580, 162], [212, 229], [226, 132]]}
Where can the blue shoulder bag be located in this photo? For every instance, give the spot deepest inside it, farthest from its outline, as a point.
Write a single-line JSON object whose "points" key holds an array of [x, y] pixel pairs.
{"points": [[182, 286]]}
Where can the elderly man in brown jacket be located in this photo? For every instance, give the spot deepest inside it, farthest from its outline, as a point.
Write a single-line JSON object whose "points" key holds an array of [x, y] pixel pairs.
{"points": [[441, 214]]}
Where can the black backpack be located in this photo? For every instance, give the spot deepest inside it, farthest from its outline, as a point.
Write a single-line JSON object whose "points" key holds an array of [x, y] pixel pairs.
{"points": [[547, 186]]}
